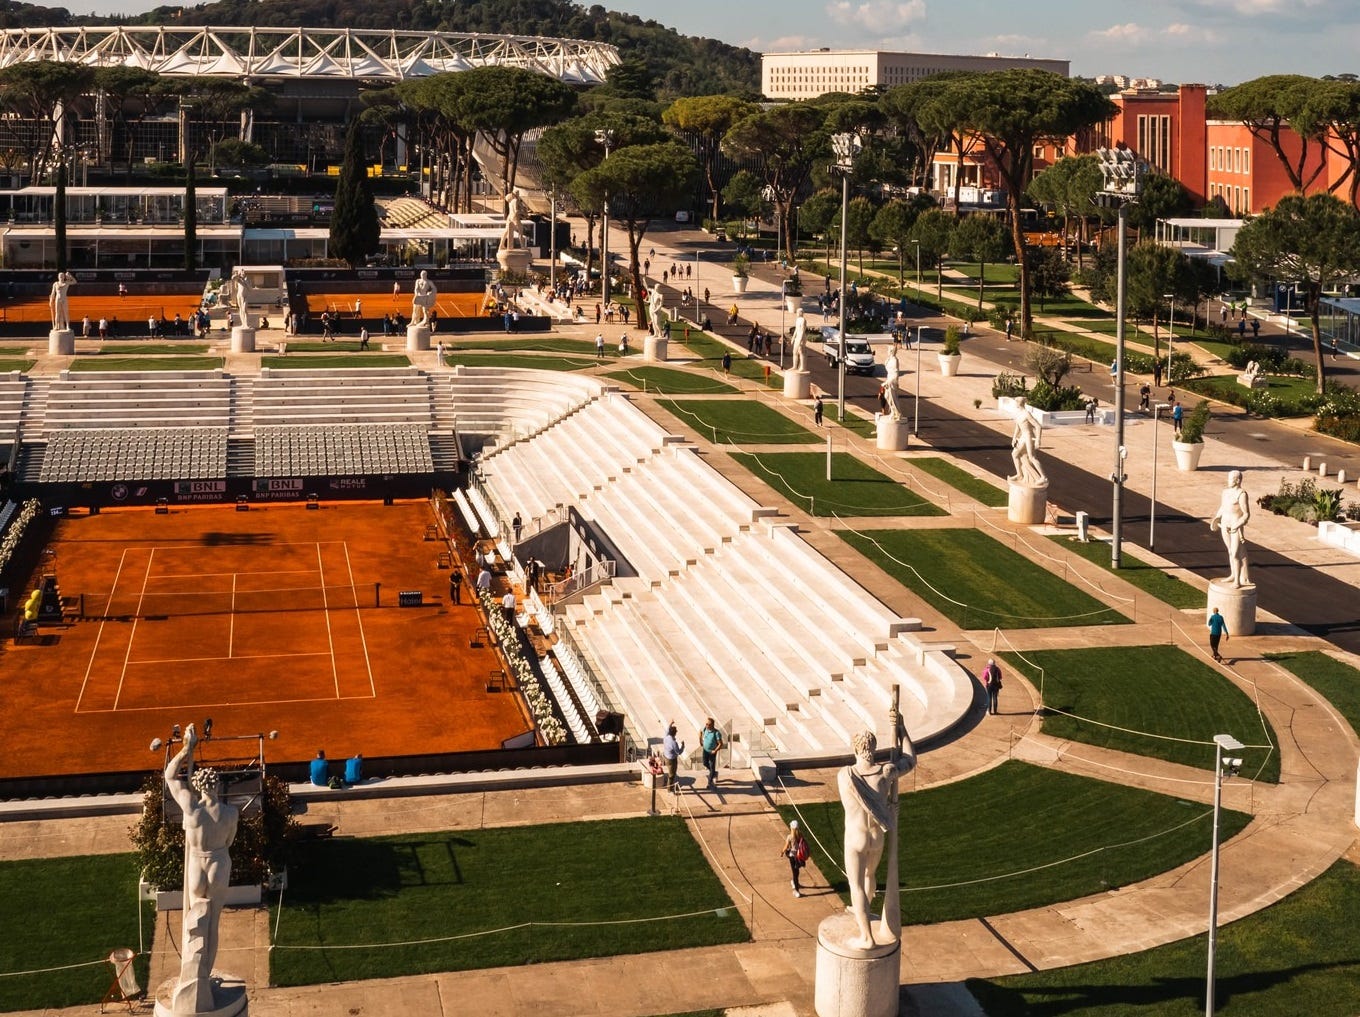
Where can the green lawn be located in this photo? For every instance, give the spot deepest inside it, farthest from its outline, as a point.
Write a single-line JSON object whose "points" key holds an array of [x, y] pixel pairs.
{"points": [[336, 346], [60, 911], [1021, 836], [1148, 578], [521, 895], [710, 353], [1290, 391], [961, 480], [13, 351], [156, 349], [854, 490], [1296, 957], [668, 381], [537, 362], [1336, 682], [103, 362], [865, 427], [16, 364], [529, 344], [342, 360], [740, 422], [978, 582], [1163, 691], [993, 272]]}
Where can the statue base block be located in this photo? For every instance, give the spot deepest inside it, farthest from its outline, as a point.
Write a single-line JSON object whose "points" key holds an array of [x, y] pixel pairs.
{"points": [[797, 384], [228, 991], [1028, 503], [1237, 605], [514, 259], [655, 349], [417, 338], [892, 435], [854, 982], [242, 339], [61, 342]]}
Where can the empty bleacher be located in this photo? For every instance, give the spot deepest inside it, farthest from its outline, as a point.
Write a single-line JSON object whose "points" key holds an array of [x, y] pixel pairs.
{"points": [[77, 455], [397, 395], [498, 405], [128, 399], [303, 450], [411, 213]]}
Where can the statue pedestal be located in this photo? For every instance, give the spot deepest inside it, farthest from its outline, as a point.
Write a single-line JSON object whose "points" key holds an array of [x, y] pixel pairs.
{"points": [[853, 982], [893, 435], [242, 339], [61, 342], [1237, 605], [514, 259], [417, 338], [797, 384], [228, 997], [655, 349], [1028, 503]]}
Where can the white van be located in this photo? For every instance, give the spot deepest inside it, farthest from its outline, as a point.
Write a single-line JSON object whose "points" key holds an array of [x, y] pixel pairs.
{"points": [[859, 355]]}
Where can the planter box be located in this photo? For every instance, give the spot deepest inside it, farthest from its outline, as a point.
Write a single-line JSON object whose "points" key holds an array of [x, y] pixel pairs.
{"points": [[1054, 418], [949, 363], [1345, 536], [1187, 455], [739, 283]]}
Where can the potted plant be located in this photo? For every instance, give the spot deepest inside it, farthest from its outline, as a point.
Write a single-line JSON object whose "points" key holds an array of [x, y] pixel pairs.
{"points": [[1190, 445], [950, 355], [741, 272], [793, 292]]}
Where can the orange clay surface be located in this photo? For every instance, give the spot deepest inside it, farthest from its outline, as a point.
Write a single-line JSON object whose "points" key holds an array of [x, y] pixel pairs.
{"points": [[131, 311], [305, 651], [375, 305]]}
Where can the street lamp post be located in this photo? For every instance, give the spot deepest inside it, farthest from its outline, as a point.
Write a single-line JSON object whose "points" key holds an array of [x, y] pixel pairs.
{"points": [[1152, 515], [606, 138], [1170, 298], [845, 147], [917, 244], [1123, 175], [1222, 743], [916, 412]]}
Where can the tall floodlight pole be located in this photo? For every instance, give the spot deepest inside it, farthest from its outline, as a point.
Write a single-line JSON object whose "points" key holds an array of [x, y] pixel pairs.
{"points": [[605, 138], [1152, 513], [552, 240], [1170, 299], [917, 245], [845, 147], [1123, 175], [1222, 743]]}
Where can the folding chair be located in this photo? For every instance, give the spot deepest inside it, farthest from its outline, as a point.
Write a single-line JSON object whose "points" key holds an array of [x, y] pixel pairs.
{"points": [[124, 987]]}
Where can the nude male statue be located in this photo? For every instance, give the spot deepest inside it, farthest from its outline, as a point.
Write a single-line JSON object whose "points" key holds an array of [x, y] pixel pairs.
{"points": [[868, 792], [209, 829], [1234, 512], [799, 342], [422, 299], [1025, 446], [513, 237], [58, 302]]}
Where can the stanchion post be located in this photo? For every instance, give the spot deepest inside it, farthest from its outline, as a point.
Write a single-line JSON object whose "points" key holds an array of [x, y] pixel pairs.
{"points": [[377, 594]]}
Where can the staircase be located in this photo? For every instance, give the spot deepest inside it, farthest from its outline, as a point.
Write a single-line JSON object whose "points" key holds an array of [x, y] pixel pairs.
{"points": [[443, 414], [444, 452], [240, 457], [242, 420], [31, 460], [35, 408]]}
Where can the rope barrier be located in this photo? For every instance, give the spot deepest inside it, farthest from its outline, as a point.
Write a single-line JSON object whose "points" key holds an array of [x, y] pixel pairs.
{"points": [[59, 967], [720, 869], [793, 492], [1067, 568]]}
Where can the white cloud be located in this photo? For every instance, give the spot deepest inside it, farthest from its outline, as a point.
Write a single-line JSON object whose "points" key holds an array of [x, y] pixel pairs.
{"points": [[1129, 32], [1256, 8], [881, 16], [1014, 43], [782, 44]]}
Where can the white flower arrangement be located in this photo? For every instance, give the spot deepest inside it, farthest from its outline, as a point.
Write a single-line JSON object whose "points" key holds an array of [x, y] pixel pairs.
{"points": [[15, 534], [526, 677]]}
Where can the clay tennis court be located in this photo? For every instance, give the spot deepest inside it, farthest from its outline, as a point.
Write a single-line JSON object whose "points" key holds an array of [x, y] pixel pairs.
{"points": [[262, 620], [375, 305]]}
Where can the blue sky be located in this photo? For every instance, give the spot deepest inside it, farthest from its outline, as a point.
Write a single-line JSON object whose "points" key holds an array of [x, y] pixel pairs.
{"points": [[1212, 41]]}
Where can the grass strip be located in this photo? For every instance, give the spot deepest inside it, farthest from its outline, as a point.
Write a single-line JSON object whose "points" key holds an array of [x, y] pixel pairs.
{"points": [[978, 582], [1336, 682], [1149, 578], [1020, 836], [1295, 957], [23, 366], [103, 362], [591, 889], [740, 422], [338, 361], [667, 381], [961, 480], [545, 362], [710, 353], [60, 911], [155, 349], [1156, 701], [854, 490]]}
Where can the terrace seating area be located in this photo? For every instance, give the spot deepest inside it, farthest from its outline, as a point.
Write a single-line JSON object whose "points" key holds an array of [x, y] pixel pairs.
{"points": [[411, 213], [77, 455], [497, 405], [397, 395], [130, 399], [303, 450], [729, 614], [13, 387]]}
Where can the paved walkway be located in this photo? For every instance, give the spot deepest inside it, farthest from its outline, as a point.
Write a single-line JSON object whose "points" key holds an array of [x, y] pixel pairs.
{"points": [[1301, 825]]}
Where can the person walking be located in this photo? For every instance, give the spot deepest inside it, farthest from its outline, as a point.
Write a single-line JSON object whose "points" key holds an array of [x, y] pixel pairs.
{"points": [[671, 751], [1177, 416], [991, 681], [484, 580], [817, 410], [456, 585], [727, 363], [710, 740], [1218, 629], [508, 609], [796, 850], [517, 524]]}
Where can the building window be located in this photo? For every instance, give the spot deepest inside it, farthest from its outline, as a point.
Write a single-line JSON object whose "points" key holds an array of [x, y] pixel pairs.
{"points": [[1246, 160], [1246, 199]]}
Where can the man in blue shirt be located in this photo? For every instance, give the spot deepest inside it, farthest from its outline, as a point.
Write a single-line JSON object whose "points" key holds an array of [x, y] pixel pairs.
{"points": [[671, 750], [319, 769], [711, 740], [1177, 417], [1218, 629]]}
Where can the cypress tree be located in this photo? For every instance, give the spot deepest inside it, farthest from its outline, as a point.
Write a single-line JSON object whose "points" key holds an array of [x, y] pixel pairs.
{"points": [[190, 218], [354, 222]]}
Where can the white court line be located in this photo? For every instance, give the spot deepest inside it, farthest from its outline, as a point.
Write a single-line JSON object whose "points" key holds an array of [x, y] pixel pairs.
{"points": [[222, 705], [326, 610], [368, 664], [231, 615], [266, 572], [132, 635], [94, 650], [246, 656]]}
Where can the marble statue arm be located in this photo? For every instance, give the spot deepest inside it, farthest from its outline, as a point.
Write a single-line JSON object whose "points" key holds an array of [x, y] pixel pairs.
{"points": [[179, 789]]}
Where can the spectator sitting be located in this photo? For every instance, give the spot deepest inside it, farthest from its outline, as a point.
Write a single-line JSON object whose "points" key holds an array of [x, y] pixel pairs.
{"points": [[319, 768]]}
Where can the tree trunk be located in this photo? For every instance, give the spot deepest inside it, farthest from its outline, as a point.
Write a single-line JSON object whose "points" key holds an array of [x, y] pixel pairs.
{"points": [[982, 281], [1317, 340], [1018, 241]]}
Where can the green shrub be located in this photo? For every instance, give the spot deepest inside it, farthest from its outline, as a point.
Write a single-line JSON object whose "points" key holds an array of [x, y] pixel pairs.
{"points": [[951, 340], [1053, 398], [1006, 384], [1000, 312], [1192, 428]]}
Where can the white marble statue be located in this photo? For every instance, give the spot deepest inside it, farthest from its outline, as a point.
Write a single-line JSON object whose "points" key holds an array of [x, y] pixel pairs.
{"points": [[58, 303], [209, 829], [869, 795], [893, 367], [799, 342], [512, 239], [1234, 512], [422, 299], [1025, 446], [655, 302], [242, 294]]}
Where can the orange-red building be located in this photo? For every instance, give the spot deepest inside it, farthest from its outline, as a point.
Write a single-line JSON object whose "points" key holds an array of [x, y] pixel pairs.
{"points": [[1166, 130]]}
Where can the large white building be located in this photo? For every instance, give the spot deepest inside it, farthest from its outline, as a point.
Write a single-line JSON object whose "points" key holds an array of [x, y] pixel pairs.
{"points": [[810, 73]]}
